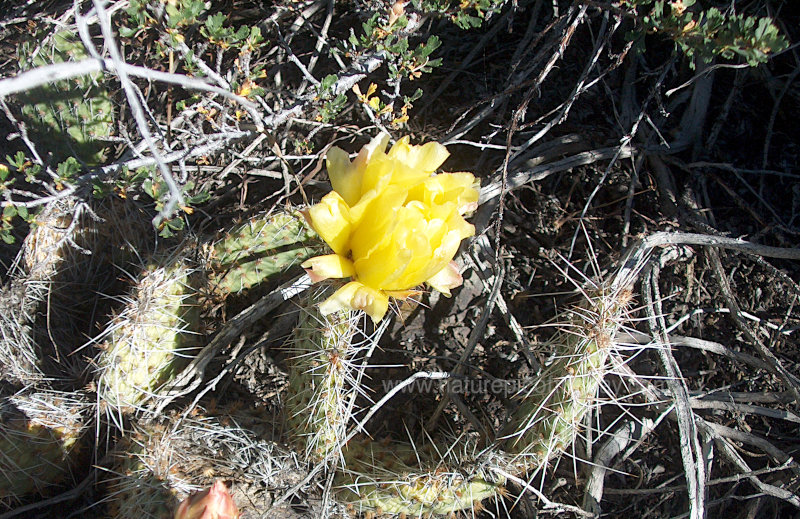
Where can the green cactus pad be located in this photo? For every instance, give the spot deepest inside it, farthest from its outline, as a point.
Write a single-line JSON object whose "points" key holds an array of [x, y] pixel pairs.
{"points": [[551, 410], [137, 484], [319, 389], [259, 249], [164, 460], [385, 477], [246, 275], [399, 478], [70, 118], [19, 356], [260, 235], [152, 337], [40, 445]]}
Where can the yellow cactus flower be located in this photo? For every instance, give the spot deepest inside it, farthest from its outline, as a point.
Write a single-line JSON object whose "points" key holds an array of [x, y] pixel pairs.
{"points": [[392, 224]]}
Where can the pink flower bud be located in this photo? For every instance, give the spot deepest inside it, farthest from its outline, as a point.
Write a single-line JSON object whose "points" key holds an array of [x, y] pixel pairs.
{"points": [[214, 503]]}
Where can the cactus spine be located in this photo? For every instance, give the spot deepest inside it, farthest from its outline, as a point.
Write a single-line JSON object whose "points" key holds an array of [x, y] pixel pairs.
{"points": [[161, 461], [67, 260], [403, 479], [400, 478], [389, 477], [552, 409], [147, 341], [260, 235], [19, 358]]}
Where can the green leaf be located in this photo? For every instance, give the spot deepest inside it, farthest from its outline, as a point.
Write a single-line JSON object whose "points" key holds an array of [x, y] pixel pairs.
{"points": [[327, 83], [242, 33], [199, 198], [68, 169], [127, 32], [31, 172], [19, 160], [214, 24]]}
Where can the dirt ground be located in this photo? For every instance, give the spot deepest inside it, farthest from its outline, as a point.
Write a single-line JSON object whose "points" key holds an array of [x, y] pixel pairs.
{"points": [[599, 144]]}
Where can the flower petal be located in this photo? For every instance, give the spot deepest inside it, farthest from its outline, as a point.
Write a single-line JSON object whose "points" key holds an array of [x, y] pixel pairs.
{"points": [[375, 147], [357, 296], [426, 158], [374, 221], [329, 266], [451, 187], [331, 219], [446, 279], [345, 177]]}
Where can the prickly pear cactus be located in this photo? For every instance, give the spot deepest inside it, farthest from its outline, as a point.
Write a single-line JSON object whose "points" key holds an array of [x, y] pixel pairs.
{"points": [[402, 479], [40, 444], [51, 243], [261, 235], [136, 485], [152, 337], [155, 332], [551, 410], [416, 480], [69, 264], [70, 118], [321, 387], [19, 357], [383, 477], [258, 249], [72, 235]]}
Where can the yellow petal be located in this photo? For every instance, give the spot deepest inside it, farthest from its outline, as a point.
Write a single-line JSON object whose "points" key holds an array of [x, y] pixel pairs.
{"points": [[427, 157], [374, 218], [331, 219], [446, 279], [464, 229], [357, 296], [377, 174], [443, 254], [345, 177], [417, 239], [388, 258], [327, 267], [451, 187], [376, 147], [382, 269], [407, 176]]}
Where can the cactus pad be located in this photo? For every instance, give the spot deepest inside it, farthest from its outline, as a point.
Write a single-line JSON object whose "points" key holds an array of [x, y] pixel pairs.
{"points": [[39, 442], [258, 249], [150, 339], [71, 118], [319, 390]]}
